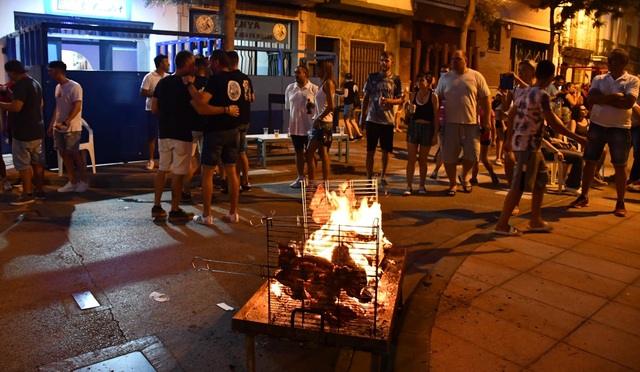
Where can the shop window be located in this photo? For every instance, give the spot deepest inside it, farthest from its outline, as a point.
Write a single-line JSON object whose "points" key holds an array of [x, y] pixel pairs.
{"points": [[494, 37]]}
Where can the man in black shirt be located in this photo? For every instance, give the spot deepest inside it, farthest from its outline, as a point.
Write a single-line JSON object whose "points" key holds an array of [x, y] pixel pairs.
{"points": [[27, 131], [221, 132], [245, 120], [175, 117]]}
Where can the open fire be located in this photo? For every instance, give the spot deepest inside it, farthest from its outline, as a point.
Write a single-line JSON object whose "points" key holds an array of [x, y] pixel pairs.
{"points": [[335, 269]]}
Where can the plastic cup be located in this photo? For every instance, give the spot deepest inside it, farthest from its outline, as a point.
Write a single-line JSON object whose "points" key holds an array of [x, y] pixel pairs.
{"points": [[265, 131], [276, 133], [341, 130]]}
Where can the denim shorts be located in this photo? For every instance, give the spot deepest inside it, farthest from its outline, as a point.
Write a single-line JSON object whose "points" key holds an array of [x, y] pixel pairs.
{"points": [[618, 139], [26, 153], [348, 111], [67, 140], [323, 133]]}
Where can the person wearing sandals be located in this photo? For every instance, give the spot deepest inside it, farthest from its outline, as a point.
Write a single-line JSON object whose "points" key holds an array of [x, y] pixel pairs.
{"points": [[321, 137], [463, 89], [421, 134], [524, 136]]}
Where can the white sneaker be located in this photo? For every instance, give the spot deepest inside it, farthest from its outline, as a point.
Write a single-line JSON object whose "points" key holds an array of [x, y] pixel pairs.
{"points": [[6, 185], [202, 220], [575, 192], [297, 183], [150, 165], [69, 187], [231, 218], [81, 187]]}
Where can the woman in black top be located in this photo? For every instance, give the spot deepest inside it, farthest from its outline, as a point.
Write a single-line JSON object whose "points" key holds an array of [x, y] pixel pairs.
{"points": [[422, 130]]}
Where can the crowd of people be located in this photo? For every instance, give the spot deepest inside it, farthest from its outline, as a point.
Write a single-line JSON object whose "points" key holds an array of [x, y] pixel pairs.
{"points": [[539, 118]]}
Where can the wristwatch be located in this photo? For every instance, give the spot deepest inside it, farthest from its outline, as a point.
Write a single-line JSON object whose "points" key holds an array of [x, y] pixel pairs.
{"points": [[188, 83]]}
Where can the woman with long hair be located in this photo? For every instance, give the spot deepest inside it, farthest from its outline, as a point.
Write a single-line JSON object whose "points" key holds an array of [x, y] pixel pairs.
{"points": [[321, 137], [423, 129]]}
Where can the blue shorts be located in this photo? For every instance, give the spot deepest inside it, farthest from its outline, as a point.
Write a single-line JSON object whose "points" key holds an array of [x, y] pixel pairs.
{"points": [[323, 133], [220, 145], [67, 140], [618, 139], [348, 111]]}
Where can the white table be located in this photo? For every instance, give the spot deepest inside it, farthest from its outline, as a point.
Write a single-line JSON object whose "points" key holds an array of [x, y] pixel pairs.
{"points": [[262, 140]]}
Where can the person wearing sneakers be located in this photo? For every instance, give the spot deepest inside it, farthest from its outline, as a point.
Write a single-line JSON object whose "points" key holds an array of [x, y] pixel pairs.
{"points": [[171, 102], [299, 99], [149, 83], [524, 136], [245, 121], [422, 132], [66, 127], [224, 90], [382, 91], [613, 95], [27, 131]]}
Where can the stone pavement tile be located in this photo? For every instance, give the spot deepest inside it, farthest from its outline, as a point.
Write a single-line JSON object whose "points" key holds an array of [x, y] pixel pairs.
{"points": [[460, 291], [578, 279], [567, 358], [607, 342], [528, 313], [451, 353], [419, 314], [627, 243], [499, 336], [622, 317], [554, 294], [591, 219], [477, 268], [613, 254], [630, 296], [529, 247], [598, 266], [413, 351], [553, 239], [506, 257], [567, 227], [624, 229]]}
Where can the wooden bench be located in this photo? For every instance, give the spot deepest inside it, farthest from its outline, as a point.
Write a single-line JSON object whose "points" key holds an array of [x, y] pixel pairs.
{"points": [[263, 140]]}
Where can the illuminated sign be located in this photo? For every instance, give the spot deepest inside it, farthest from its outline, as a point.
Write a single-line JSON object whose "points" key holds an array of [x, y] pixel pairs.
{"points": [[112, 9]]}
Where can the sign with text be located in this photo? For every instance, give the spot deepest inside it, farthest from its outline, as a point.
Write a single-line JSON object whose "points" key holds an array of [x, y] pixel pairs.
{"points": [[112, 9], [254, 29]]}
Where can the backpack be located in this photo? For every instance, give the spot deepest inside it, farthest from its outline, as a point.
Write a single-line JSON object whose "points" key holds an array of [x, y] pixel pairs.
{"points": [[356, 97]]}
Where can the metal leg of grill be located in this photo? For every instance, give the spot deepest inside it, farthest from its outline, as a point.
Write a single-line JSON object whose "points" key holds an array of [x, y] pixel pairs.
{"points": [[251, 353]]}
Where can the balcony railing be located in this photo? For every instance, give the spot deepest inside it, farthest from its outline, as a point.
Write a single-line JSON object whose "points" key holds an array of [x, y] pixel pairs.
{"points": [[604, 47]]}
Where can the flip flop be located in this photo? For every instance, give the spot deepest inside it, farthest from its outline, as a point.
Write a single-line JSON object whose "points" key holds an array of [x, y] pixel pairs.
{"points": [[512, 232], [451, 192], [544, 228]]}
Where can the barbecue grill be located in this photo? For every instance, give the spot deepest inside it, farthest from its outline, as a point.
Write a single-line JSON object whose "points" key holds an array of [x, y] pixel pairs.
{"points": [[328, 282]]}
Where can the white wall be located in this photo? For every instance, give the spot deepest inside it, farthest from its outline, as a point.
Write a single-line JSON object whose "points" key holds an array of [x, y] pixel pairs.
{"points": [[163, 18]]}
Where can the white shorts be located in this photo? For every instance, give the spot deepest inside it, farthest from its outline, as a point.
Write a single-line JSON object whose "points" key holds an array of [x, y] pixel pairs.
{"points": [[174, 154]]}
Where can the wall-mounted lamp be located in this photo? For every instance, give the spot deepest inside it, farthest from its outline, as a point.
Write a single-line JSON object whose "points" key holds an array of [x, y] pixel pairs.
{"points": [[508, 26]]}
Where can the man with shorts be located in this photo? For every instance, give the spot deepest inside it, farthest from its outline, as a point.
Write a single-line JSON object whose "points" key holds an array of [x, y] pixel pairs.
{"points": [[220, 142], [149, 83], [524, 133], [299, 99], [245, 120], [613, 95], [382, 91], [27, 131], [171, 102], [66, 127], [462, 89]]}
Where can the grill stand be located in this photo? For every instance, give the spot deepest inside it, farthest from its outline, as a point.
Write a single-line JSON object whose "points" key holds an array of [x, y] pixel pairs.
{"points": [[253, 319]]}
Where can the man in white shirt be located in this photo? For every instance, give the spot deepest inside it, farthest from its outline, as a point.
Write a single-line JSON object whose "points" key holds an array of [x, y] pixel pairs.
{"points": [[613, 95], [299, 99], [66, 127], [149, 83]]}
